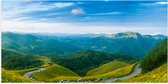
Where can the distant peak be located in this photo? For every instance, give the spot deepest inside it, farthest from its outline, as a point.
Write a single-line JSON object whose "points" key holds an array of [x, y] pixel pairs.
{"points": [[125, 35], [131, 32]]}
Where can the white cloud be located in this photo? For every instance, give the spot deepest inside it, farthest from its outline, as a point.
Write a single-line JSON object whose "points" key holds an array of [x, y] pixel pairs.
{"points": [[161, 3], [109, 13], [154, 4], [62, 5], [39, 6], [32, 27], [77, 11]]}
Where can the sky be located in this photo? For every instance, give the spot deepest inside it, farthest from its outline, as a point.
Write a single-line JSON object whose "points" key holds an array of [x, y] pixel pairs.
{"points": [[82, 16]]}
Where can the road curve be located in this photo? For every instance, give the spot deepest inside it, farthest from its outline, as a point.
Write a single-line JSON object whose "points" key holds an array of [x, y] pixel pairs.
{"points": [[136, 70], [29, 74]]}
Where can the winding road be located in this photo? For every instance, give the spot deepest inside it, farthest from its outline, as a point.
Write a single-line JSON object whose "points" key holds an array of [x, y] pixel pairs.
{"points": [[136, 70], [29, 74]]}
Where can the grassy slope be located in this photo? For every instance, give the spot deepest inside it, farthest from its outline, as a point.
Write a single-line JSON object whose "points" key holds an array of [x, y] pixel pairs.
{"points": [[113, 65], [53, 72], [156, 75], [115, 73], [17, 75], [12, 76], [56, 72]]}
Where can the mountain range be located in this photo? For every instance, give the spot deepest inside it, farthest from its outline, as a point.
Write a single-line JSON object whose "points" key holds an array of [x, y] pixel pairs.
{"points": [[131, 43], [73, 57]]}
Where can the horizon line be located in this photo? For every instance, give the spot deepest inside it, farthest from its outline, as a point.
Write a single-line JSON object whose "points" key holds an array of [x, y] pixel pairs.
{"points": [[78, 33]]}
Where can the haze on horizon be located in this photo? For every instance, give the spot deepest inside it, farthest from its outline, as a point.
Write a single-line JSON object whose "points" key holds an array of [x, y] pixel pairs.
{"points": [[145, 17]]}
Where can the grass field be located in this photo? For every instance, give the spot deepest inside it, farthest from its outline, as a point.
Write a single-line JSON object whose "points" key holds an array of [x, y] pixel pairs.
{"points": [[113, 65], [157, 75], [13, 76], [53, 71], [17, 75], [56, 72], [115, 73]]}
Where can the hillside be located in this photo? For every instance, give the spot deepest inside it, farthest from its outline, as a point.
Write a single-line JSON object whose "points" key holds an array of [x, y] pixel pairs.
{"points": [[13, 60], [53, 45], [53, 71], [11, 76], [116, 73], [155, 57], [29, 44], [154, 65], [112, 74], [105, 68], [158, 75], [125, 42], [83, 61]]}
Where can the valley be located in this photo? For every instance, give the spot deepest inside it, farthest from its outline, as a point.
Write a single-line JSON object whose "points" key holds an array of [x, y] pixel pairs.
{"points": [[121, 57]]}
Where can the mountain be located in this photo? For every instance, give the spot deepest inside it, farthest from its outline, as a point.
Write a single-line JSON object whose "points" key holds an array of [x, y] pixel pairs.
{"points": [[126, 42], [125, 35], [155, 57], [13, 60], [29, 44], [62, 44], [159, 36], [82, 61]]}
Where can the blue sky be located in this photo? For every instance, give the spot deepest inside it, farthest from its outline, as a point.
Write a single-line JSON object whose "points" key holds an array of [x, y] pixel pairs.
{"points": [[60, 16]]}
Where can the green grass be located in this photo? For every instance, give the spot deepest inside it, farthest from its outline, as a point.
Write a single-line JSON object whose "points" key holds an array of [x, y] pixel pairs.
{"points": [[56, 72], [12, 76], [115, 73], [17, 75], [112, 74], [53, 71], [113, 65], [156, 75]]}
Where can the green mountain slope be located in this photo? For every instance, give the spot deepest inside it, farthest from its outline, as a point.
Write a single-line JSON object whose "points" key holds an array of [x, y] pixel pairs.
{"points": [[125, 42], [53, 71], [157, 75], [11, 76], [156, 57], [112, 74], [154, 65], [52, 45], [83, 61], [29, 44], [107, 68], [13, 60]]}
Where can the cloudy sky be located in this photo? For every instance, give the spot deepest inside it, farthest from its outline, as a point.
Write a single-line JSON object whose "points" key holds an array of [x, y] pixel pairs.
{"points": [[66, 16]]}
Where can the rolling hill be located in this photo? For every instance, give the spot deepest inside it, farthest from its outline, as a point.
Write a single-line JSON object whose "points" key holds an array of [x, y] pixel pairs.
{"points": [[13, 60], [53, 71], [11, 76], [29, 44], [112, 74], [105, 68], [116, 73], [83, 61]]}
